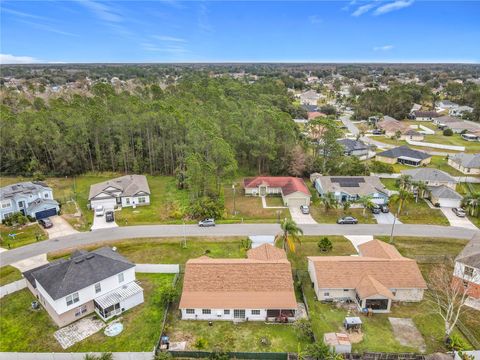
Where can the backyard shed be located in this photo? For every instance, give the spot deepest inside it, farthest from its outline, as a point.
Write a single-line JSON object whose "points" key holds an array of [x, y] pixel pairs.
{"points": [[352, 323], [339, 342]]}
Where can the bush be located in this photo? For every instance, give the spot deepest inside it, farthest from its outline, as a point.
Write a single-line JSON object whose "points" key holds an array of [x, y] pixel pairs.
{"points": [[200, 343], [325, 244], [206, 207], [456, 343], [169, 295], [304, 328], [163, 356], [16, 219], [447, 132], [381, 168]]}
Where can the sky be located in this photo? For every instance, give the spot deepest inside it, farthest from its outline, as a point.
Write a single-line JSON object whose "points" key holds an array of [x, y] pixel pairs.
{"points": [[93, 31]]}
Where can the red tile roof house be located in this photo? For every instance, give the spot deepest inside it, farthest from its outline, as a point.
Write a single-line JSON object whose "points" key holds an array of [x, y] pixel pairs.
{"points": [[259, 288], [376, 278], [293, 190]]}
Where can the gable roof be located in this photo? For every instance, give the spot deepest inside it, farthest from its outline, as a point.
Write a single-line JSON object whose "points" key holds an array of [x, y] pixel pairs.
{"points": [[351, 145], [63, 277], [404, 151], [467, 160], [23, 188], [353, 185], [429, 174], [288, 184], [470, 255], [379, 249], [390, 124], [263, 281], [369, 286], [444, 192], [128, 185]]}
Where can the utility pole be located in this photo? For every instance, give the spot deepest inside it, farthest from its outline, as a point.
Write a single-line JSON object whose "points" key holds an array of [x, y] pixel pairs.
{"points": [[184, 245], [234, 205], [394, 221]]}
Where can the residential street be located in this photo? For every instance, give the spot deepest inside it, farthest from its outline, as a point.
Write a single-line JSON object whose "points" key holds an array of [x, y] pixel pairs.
{"points": [[146, 231]]}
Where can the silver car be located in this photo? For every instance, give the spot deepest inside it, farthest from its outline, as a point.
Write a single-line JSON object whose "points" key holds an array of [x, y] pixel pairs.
{"points": [[206, 222], [459, 212], [305, 209]]}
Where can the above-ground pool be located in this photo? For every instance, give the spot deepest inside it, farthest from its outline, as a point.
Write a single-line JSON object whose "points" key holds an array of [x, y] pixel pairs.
{"points": [[113, 329]]}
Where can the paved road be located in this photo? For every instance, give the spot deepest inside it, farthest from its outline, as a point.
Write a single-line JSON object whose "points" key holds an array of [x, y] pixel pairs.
{"points": [[158, 231], [349, 124]]}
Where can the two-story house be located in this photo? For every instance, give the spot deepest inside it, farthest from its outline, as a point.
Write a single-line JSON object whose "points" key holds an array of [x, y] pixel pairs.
{"points": [[34, 199], [125, 191], [467, 270], [100, 281], [354, 147]]}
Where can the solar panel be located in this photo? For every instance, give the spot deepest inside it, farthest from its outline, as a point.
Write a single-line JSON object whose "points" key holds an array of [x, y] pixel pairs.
{"points": [[348, 181]]}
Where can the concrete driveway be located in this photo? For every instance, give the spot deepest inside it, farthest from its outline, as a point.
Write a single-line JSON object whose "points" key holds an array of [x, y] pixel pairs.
{"points": [[99, 222], [386, 218], [300, 218], [454, 220], [61, 227]]}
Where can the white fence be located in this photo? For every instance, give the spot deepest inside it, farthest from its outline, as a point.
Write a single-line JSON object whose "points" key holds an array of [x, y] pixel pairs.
{"points": [[158, 268], [12, 287], [436, 146], [73, 356], [386, 176]]}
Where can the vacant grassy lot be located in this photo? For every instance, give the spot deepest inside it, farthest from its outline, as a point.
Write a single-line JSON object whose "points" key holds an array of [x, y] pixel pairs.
{"points": [[29, 330], [455, 139], [25, 235], [330, 217], [9, 274], [421, 213]]}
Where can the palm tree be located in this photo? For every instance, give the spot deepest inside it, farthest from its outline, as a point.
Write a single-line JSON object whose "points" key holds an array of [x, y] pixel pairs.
{"points": [[471, 203], [421, 189], [401, 199], [329, 201], [404, 181], [290, 234], [366, 202]]}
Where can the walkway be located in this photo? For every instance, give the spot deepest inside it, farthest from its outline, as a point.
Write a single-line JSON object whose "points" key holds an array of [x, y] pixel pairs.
{"points": [[454, 220], [357, 240], [265, 206]]}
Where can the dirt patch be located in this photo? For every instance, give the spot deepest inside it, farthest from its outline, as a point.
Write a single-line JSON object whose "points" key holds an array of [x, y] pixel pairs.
{"points": [[407, 333], [355, 337]]}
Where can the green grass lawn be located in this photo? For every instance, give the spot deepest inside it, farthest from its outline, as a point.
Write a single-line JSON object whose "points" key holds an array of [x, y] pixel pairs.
{"points": [[24, 329], [330, 217], [26, 234], [455, 139], [9, 274], [274, 201], [390, 184], [421, 213], [226, 336]]}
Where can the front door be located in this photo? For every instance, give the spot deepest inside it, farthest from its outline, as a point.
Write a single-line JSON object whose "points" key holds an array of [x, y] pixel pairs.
{"points": [[239, 314], [263, 190]]}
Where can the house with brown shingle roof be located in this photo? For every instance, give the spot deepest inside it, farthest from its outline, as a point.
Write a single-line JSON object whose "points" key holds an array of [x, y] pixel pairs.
{"points": [[258, 288], [392, 127], [373, 280], [294, 191]]}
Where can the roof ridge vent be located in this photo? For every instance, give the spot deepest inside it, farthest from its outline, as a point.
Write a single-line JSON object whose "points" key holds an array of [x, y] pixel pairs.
{"points": [[78, 261]]}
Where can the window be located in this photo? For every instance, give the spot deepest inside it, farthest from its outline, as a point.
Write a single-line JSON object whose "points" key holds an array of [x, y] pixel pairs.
{"points": [[345, 289], [468, 271], [326, 294], [127, 201], [81, 310], [141, 200], [46, 195], [206, 311], [465, 284], [72, 299], [190, 311], [226, 312], [21, 204], [121, 278], [98, 288], [239, 314], [6, 204], [255, 312]]}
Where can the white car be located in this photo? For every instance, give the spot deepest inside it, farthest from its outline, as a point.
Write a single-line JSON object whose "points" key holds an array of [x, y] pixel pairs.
{"points": [[99, 210]]}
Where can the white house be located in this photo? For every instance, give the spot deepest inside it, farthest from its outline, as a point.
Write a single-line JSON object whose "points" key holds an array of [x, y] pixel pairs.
{"points": [[293, 190], [372, 280], [125, 191], [460, 111], [34, 199], [100, 281], [259, 288], [467, 269]]}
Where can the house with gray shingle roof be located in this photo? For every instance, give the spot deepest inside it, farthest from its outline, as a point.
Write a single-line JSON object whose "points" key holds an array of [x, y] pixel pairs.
{"points": [[404, 155], [354, 147], [465, 163], [125, 191], [100, 281], [34, 199], [467, 271]]}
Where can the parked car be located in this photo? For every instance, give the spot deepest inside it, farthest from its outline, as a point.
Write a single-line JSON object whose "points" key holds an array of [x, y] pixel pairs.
{"points": [[109, 217], [347, 220], [384, 208], [206, 222], [377, 132], [305, 209], [46, 223], [459, 212], [99, 210], [375, 209]]}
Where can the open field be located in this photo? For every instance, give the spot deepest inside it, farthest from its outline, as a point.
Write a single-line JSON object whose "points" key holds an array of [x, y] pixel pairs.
{"points": [[421, 213], [24, 329]]}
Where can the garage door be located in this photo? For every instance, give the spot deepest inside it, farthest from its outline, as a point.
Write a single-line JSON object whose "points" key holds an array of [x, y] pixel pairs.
{"points": [[45, 213], [107, 204], [296, 201], [449, 203]]}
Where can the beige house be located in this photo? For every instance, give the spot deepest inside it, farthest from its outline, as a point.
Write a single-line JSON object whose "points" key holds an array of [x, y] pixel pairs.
{"points": [[393, 128], [294, 191], [465, 163], [373, 280], [404, 155]]}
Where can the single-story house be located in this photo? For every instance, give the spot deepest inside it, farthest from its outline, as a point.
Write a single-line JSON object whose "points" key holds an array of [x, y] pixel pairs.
{"points": [[425, 115], [309, 97], [392, 128], [354, 147], [404, 155], [465, 163], [470, 136], [373, 280], [461, 126], [100, 281], [125, 191], [460, 111], [445, 196], [443, 121], [431, 177], [33, 199], [467, 268], [314, 114], [258, 288], [309, 108], [351, 188], [294, 191], [446, 104]]}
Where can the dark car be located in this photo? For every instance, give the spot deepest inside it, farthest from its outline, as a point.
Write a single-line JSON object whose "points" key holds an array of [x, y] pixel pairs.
{"points": [[305, 209], [375, 209], [206, 222], [384, 208], [46, 223], [109, 217], [377, 132], [347, 220]]}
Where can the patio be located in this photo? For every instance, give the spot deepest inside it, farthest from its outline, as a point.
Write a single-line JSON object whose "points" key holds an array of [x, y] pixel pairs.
{"points": [[78, 331]]}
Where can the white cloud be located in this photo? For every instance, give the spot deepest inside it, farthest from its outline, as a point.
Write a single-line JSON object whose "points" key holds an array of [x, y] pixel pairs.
{"points": [[383, 48], [363, 9], [169, 38], [102, 11], [22, 14], [396, 5], [12, 59]]}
